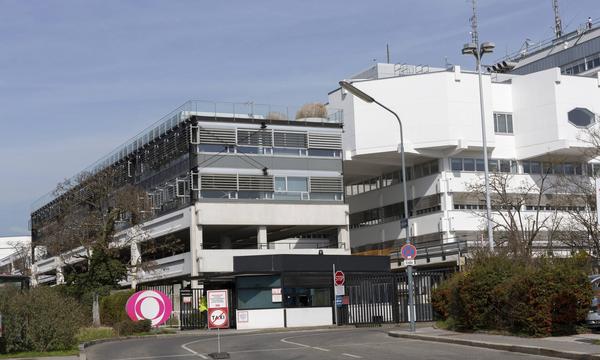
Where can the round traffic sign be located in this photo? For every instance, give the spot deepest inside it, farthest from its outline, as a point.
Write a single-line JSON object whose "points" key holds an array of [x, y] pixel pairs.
{"points": [[340, 278], [217, 317], [408, 252]]}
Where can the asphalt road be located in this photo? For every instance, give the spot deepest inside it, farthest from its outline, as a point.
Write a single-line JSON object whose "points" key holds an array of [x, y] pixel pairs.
{"points": [[344, 344]]}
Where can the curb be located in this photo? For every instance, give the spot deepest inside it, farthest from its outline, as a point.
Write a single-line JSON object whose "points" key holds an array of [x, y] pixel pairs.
{"points": [[530, 350]]}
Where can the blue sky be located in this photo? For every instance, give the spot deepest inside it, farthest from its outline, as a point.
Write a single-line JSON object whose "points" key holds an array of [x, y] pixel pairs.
{"points": [[78, 78]]}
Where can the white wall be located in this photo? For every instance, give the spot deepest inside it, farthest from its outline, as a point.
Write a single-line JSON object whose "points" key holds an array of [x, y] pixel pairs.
{"points": [[261, 319], [445, 104], [309, 316], [271, 214]]}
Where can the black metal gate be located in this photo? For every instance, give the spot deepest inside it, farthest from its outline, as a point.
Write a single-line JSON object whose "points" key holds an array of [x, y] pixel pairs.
{"points": [[191, 315], [383, 298]]}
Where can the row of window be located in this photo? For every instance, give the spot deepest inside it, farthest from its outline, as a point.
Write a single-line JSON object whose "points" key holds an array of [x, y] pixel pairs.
{"points": [[494, 165], [254, 150], [585, 65], [527, 207], [385, 180]]}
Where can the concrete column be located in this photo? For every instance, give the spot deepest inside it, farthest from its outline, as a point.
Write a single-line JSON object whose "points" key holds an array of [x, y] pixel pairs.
{"points": [[225, 242], [60, 276], [136, 261], [261, 237], [195, 245], [344, 237], [34, 276]]}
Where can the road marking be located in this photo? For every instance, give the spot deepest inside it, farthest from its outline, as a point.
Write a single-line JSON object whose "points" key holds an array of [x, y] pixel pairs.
{"points": [[184, 347], [285, 340], [352, 356], [152, 357], [318, 348]]}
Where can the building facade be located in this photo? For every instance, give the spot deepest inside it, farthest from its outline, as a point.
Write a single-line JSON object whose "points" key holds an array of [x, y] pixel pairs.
{"points": [[222, 180], [535, 125]]}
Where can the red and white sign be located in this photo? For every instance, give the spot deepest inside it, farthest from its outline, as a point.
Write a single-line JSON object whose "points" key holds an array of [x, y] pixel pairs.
{"points": [[218, 309], [340, 278]]}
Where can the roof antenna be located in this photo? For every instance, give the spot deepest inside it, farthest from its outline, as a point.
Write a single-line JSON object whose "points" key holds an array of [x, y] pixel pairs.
{"points": [[557, 22], [387, 47], [473, 19]]}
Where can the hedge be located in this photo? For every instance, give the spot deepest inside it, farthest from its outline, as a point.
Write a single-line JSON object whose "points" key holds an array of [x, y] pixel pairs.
{"points": [[537, 297], [129, 327], [112, 307], [41, 319]]}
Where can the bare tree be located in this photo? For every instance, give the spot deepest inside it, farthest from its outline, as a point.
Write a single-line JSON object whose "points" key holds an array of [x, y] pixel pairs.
{"points": [[520, 211], [96, 215]]}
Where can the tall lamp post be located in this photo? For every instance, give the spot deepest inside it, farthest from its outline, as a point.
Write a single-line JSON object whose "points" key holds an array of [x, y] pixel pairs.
{"points": [[478, 51], [403, 223]]}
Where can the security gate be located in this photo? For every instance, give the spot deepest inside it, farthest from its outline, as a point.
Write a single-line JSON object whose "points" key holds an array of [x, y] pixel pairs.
{"points": [[191, 313], [383, 298]]}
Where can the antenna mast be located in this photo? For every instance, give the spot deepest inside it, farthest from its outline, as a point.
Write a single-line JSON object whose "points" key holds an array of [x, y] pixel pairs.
{"points": [[557, 22], [474, 32]]}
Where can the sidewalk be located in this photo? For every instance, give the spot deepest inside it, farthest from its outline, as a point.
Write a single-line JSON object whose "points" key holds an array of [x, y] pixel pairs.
{"points": [[568, 347]]}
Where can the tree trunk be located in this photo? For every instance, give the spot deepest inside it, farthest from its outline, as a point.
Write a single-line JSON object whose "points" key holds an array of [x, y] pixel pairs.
{"points": [[95, 312]]}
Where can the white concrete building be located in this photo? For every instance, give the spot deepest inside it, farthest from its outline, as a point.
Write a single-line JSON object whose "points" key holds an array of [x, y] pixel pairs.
{"points": [[530, 120]]}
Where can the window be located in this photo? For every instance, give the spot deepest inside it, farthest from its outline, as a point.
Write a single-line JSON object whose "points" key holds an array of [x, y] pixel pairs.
{"points": [[291, 188], [469, 164], [456, 164], [581, 117], [503, 123]]}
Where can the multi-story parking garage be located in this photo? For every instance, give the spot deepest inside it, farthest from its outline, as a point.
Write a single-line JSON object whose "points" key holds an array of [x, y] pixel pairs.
{"points": [[223, 180]]}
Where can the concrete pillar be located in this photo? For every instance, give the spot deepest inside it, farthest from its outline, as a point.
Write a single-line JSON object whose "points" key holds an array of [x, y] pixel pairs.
{"points": [[261, 238], [225, 242], [136, 261], [34, 276], [344, 238], [60, 276], [195, 245]]}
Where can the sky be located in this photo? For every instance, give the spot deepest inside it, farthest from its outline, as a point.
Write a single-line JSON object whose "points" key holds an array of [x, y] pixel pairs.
{"points": [[78, 78]]}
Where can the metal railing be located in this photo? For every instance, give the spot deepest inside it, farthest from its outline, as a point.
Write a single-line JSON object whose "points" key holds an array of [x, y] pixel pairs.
{"points": [[216, 110]]}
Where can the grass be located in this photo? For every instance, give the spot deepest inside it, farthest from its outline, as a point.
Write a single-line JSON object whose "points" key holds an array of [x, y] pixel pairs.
{"points": [[84, 335], [90, 333], [32, 354]]}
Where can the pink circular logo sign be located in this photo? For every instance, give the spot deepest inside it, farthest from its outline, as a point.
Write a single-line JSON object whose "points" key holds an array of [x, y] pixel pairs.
{"points": [[151, 305]]}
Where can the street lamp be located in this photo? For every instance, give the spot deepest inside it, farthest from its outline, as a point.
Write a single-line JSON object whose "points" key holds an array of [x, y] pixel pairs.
{"points": [[403, 223], [478, 51]]}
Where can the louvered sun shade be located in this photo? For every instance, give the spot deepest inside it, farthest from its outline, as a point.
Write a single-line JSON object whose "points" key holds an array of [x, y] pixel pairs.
{"points": [[232, 182], [216, 136], [326, 184], [290, 139], [253, 137], [324, 141]]}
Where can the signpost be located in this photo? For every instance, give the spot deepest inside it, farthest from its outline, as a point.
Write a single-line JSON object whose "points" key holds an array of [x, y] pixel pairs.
{"points": [[218, 309], [218, 317]]}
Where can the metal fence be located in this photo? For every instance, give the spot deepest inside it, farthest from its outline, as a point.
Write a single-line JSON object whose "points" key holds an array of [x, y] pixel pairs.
{"points": [[190, 314], [383, 298]]}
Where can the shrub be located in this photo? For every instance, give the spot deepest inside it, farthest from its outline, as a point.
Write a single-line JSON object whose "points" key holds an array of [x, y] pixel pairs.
{"points": [[312, 110], [537, 297], [129, 327], [41, 319], [112, 307]]}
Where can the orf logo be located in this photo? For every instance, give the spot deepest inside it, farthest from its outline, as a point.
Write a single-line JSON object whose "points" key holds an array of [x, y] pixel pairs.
{"points": [[151, 305]]}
